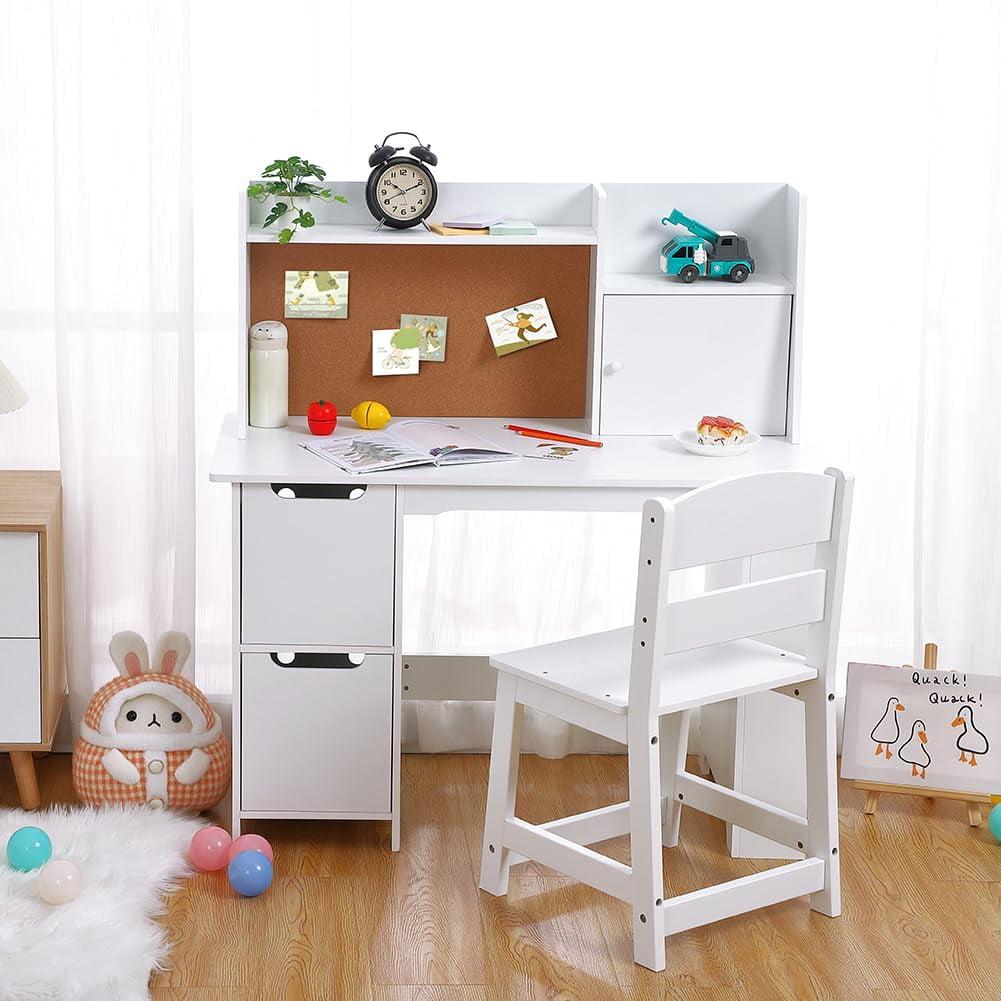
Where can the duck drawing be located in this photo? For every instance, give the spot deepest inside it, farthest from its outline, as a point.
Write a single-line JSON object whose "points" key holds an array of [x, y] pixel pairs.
{"points": [[914, 750], [887, 731], [971, 741]]}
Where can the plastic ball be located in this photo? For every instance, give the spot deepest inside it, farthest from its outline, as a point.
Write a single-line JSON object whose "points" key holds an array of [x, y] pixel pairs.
{"points": [[251, 843], [28, 848], [59, 882], [250, 873], [209, 849], [994, 822]]}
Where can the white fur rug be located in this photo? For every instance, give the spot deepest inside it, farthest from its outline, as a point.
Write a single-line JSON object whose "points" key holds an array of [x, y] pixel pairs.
{"points": [[104, 945]]}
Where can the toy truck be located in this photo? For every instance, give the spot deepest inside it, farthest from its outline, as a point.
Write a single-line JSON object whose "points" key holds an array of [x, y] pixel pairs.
{"points": [[706, 254]]}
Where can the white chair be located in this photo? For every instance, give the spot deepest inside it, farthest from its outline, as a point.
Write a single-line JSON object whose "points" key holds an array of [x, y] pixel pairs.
{"points": [[638, 685]]}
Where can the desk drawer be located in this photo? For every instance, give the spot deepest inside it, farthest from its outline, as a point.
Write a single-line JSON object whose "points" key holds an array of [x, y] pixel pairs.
{"points": [[318, 564], [20, 692], [19, 585], [669, 359], [317, 733]]}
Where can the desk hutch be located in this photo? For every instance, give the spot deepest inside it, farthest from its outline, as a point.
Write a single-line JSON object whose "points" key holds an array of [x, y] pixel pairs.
{"points": [[319, 671]]}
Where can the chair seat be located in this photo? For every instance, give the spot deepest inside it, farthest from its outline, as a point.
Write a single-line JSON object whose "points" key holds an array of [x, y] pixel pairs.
{"points": [[595, 669]]}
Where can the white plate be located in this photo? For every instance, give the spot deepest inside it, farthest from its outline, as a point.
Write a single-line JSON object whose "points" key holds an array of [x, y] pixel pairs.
{"points": [[690, 441]]}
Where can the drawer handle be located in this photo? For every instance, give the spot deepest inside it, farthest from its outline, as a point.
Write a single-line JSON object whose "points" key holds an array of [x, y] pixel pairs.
{"points": [[613, 367], [334, 661], [319, 491]]}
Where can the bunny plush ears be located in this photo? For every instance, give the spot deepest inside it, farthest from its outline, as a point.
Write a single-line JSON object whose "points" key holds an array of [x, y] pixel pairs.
{"points": [[131, 656]]}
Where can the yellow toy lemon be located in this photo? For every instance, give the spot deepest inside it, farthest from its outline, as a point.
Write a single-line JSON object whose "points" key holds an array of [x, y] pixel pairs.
{"points": [[370, 415]]}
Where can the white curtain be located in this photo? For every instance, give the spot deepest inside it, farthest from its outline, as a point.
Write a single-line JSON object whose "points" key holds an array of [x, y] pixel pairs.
{"points": [[129, 127], [957, 534]]}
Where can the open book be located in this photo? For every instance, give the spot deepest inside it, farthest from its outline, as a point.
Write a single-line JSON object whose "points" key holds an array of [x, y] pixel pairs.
{"points": [[409, 443]]}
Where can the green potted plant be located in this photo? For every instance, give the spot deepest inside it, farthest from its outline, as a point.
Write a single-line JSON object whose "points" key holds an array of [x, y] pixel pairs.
{"points": [[290, 186]]}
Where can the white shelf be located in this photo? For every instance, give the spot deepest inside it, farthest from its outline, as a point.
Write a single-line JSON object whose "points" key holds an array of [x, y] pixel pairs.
{"points": [[548, 236], [660, 284]]}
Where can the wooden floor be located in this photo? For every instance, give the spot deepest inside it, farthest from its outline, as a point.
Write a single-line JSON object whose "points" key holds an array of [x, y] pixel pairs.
{"points": [[346, 919]]}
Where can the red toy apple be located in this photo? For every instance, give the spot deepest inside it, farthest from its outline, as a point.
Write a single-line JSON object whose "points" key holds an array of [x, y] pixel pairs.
{"points": [[321, 417]]}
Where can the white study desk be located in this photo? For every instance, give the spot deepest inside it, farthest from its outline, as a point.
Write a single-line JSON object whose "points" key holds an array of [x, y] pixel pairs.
{"points": [[285, 608], [626, 468]]}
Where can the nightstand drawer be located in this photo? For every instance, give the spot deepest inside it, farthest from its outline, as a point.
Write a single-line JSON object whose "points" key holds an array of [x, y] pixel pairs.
{"points": [[317, 733], [19, 585], [20, 691], [318, 564]]}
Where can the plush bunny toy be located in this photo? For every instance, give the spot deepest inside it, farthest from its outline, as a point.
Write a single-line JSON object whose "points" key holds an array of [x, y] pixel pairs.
{"points": [[150, 736]]}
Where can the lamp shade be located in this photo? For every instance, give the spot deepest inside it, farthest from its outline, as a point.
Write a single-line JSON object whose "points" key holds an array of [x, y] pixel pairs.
{"points": [[12, 394]]}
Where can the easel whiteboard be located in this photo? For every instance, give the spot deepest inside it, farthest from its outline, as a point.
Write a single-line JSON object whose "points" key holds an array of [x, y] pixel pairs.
{"points": [[959, 714]]}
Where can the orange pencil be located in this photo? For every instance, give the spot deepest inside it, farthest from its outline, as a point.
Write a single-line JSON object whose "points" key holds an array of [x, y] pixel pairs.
{"points": [[552, 436]]}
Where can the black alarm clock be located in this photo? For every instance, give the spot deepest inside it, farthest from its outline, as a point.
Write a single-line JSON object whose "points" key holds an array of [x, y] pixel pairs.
{"points": [[401, 190]]}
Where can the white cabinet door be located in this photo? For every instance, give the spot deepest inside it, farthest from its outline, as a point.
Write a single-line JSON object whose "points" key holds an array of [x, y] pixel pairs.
{"points": [[19, 584], [317, 734], [318, 564], [669, 359], [20, 691]]}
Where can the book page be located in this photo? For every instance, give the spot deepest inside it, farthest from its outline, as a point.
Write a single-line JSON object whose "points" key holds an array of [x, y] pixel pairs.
{"points": [[438, 439], [367, 453]]}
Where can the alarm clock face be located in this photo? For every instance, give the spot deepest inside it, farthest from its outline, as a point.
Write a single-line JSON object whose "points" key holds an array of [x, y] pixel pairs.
{"points": [[402, 193]]}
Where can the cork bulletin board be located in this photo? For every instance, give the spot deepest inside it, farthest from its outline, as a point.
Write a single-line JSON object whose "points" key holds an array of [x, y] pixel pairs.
{"points": [[332, 359]]}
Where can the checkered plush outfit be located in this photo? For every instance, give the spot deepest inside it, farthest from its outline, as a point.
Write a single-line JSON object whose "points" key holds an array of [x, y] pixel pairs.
{"points": [[156, 757]]}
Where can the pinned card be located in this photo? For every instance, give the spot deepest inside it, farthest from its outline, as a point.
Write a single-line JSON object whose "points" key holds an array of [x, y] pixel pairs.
{"points": [[396, 352], [317, 295], [433, 330], [521, 327]]}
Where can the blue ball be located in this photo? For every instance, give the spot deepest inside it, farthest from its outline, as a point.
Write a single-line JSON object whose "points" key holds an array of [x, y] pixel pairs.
{"points": [[250, 873], [28, 848], [994, 822]]}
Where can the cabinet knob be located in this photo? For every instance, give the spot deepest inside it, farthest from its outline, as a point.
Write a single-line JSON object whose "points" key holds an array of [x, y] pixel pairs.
{"points": [[613, 366]]}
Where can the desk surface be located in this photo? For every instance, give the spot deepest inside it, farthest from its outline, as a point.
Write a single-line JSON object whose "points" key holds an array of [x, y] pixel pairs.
{"points": [[637, 461]]}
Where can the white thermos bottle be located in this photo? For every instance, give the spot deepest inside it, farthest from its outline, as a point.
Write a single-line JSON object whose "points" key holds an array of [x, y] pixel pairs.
{"points": [[268, 374]]}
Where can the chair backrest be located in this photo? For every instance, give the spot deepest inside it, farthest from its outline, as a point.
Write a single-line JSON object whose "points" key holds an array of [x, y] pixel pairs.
{"points": [[728, 520]]}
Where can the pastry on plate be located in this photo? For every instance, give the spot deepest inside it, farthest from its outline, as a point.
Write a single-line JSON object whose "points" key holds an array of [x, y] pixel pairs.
{"points": [[721, 431]]}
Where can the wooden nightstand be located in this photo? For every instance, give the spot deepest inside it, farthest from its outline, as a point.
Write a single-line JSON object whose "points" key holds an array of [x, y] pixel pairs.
{"points": [[32, 666]]}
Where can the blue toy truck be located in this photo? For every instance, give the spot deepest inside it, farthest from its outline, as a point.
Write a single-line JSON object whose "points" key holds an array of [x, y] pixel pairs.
{"points": [[706, 254]]}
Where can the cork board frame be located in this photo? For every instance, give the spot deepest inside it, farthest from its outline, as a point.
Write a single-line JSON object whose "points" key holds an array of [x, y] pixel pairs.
{"points": [[332, 359]]}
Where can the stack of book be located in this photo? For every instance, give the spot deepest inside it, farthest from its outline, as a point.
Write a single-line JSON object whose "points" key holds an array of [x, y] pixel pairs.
{"points": [[482, 224]]}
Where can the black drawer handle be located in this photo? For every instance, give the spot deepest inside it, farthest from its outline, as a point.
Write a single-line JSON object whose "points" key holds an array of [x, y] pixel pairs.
{"points": [[319, 491], [336, 661]]}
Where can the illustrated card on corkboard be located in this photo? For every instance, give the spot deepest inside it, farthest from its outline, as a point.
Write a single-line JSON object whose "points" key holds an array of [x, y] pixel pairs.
{"points": [[928, 729], [433, 331], [317, 295], [395, 352], [521, 327]]}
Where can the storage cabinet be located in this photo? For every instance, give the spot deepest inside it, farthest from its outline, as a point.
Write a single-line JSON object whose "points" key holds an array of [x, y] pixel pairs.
{"points": [[318, 564], [317, 733], [669, 359], [32, 670]]}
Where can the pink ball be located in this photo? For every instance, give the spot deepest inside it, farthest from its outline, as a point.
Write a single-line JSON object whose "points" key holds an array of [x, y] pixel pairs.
{"points": [[209, 849], [251, 843]]}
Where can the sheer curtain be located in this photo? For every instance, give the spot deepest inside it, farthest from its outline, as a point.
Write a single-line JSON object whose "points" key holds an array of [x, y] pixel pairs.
{"points": [[957, 535], [130, 127], [100, 263]]}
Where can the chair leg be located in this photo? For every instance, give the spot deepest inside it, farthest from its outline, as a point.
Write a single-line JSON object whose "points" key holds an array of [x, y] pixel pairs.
{"points": [[505, 749], [645, 843], [822, 795], [673, 752]]}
